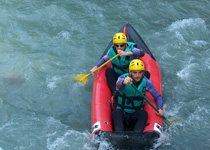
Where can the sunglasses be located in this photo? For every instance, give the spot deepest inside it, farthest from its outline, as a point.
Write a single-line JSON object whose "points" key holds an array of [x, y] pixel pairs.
{"points": [[119, 45]]}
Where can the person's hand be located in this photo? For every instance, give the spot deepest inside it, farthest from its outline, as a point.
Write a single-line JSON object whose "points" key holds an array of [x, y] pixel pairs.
{"points": [[123, 53], [127, 80], [142, 53], [161, 112], [91, 71]]}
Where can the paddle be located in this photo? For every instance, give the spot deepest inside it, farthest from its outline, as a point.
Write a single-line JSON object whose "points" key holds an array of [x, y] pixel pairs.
{"points": [[168, 121], [83, 78]]}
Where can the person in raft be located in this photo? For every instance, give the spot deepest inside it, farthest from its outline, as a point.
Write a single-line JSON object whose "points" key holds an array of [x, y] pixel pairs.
{"points": [[127, 52], [128, 103]]}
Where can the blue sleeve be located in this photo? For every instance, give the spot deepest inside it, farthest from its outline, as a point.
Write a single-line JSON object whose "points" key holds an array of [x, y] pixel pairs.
{"points": [[103, 59], [119, 83], [136, 52], [151, 89]]}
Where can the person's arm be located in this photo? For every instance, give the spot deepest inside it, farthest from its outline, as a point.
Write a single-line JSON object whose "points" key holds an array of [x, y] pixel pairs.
{"points": [[137, 53], [100, 62], [119, 83], [158, 98], [122, 81]]}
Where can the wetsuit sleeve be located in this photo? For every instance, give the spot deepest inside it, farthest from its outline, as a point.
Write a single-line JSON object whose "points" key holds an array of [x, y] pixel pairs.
{"points": [[151, 89], [103, 59], [136, 52], [119, 83]]}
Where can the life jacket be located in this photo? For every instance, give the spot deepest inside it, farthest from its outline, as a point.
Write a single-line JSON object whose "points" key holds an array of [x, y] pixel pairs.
{"points": [[121, 65], [128, 99]]}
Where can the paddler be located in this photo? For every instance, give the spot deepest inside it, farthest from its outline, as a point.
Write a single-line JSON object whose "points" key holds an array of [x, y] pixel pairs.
{"points": [[127, 52]]}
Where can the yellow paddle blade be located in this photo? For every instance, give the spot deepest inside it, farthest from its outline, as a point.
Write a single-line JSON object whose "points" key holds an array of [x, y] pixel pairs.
{"points": [[81, 78], [176, 119], [169, 121]]}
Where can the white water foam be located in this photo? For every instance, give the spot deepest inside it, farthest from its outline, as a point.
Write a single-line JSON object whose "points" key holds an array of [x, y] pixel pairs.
{"points": [[182, 29], [80, 139], [65, 34], [207, 63], [66, 139], [51, 82], [163, 140], [200, 43], [186, 71], [185, 23]]}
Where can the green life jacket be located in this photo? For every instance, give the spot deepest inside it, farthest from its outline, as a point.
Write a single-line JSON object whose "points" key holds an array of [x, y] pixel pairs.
{"points": [[128, 99], [121, 64]]}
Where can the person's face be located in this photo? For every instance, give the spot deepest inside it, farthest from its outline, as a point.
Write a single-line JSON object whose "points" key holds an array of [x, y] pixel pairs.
{"points": [[137, 75], [120, 46]]}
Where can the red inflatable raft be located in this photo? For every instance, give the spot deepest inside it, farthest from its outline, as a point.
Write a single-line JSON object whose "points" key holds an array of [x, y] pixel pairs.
{"points": [[101, 109]]}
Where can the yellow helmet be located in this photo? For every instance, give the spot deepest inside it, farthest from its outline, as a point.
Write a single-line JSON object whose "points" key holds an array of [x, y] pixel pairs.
{"points": [[136, 64], [119, 38]]}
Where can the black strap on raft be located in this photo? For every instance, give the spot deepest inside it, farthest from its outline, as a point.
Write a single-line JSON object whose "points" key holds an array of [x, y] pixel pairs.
{"points": [[130, 100]]}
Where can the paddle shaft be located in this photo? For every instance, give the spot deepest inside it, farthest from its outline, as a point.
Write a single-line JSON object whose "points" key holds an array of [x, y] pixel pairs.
{"points": [[146, 99], [106, 63]]}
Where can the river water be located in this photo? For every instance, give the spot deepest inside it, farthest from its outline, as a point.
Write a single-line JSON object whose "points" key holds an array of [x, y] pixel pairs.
{"points": [[43, 43]]}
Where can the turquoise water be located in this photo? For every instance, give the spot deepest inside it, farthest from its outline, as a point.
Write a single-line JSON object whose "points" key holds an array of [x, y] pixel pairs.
{"points": [[44, 43]]}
